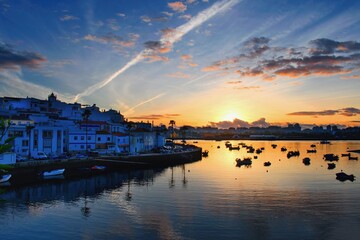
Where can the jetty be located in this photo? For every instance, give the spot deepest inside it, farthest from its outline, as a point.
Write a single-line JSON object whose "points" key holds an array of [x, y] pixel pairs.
{"points": [[30, 171]]}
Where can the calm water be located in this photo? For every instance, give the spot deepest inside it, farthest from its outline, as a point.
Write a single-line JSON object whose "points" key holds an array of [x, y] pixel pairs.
{"points": [[209, 199]]}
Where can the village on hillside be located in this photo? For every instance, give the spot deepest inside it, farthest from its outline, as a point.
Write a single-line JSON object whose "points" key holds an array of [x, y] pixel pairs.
{"points": [[51, 129]]}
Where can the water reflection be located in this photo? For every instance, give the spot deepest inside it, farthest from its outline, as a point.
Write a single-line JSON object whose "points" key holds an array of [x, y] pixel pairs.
{"points": [[209, 199], [73, 189]]}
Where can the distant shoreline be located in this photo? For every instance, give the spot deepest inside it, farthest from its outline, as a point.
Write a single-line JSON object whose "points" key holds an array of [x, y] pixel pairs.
{"points": [[268, 139]]}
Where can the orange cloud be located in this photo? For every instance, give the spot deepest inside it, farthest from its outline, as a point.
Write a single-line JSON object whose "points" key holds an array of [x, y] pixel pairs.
{"points": [[156, 58], [177, 6], [211, 68], [351, 77]]}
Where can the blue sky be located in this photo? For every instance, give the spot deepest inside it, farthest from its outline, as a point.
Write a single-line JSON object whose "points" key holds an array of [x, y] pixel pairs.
{"points": [[220, 63]]}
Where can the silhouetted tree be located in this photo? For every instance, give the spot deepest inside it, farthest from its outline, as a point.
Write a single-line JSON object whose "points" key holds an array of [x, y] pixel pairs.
{"points": [[85, 115]]}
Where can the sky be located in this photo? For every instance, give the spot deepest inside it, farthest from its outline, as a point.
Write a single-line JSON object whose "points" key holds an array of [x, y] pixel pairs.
{"points": [[220, 63]]}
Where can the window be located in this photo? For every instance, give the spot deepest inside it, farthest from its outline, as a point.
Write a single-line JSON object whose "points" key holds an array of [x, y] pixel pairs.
{"points": [[82, 138], [75, 137], [47, 134], [89, 138], [99, 139], [108, 139], [81, 146], [12, 133], [25, 143]]}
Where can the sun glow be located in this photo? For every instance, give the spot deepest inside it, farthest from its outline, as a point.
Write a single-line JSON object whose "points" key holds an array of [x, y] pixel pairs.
{"points": [[230, 116]]}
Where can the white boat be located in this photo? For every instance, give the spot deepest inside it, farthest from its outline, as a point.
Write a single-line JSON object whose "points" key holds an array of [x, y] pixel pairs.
{"points": [[54, 172], [5, 178]]}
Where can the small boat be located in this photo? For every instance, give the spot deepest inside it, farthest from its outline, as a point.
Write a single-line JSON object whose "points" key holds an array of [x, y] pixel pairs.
{"points": [[324, 142], [205, 153], [341, 176], [267, 164], [293, 154], [273, 145], [331, 165], [218, 146], [331, 157], [228, 144], [312, 145], [306, 161], [283, 149], [255, 157], [311, 150], [53, 172], [245, 162], [234, 148], [5, 177], [345, 154], [258, 151], [195, 141], [353, 158], [97, 167]]}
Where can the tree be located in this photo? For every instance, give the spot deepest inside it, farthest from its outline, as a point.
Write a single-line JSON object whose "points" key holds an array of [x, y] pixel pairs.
{"points": [[4, 127], [172, 123], [85, 115], [129, 126], [28, 131]]}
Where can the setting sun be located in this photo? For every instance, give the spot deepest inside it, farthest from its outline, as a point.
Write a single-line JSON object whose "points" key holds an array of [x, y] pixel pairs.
{"points": [[230, 116]]}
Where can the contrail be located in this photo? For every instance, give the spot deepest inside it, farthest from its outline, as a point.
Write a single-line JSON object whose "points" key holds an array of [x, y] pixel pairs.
{"points": [[143, 102], [196, 79], [179, 32]]}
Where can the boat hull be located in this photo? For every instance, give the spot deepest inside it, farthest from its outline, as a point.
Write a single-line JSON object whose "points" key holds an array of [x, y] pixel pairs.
{"points": [[5, 178], [54, 172]]}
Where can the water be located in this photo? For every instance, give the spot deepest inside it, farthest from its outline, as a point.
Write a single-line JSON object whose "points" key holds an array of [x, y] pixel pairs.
{"points": [[209, 199]]}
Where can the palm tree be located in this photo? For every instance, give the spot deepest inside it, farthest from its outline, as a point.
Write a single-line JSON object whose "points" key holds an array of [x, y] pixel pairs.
{"points": [[129, 126], [28, 131], [172, 123], [85, 115]]}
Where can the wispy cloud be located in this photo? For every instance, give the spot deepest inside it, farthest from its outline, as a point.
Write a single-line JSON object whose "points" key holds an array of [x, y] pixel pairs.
{"points": [[148, 19], [348, 112], [13, 59], [178, 75], [155, 116], [114, 40], [194, 22], [12, 83], [68, 18], [130, 110], [351, 77]]}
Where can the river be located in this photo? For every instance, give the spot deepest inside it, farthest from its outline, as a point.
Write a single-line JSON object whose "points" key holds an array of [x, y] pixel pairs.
{"points": [[208, 199]]}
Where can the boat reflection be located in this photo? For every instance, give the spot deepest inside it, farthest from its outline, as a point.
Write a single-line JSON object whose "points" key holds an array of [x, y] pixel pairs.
{"points": [[73, 189]]}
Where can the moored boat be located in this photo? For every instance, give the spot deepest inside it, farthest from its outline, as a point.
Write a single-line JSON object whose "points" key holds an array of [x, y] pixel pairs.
{"points": [[331, 157], [245, 162], [5, 177], [306, 161], [205, 153], [341, 176], [331, 165], [267, 164], [53, 172]]}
